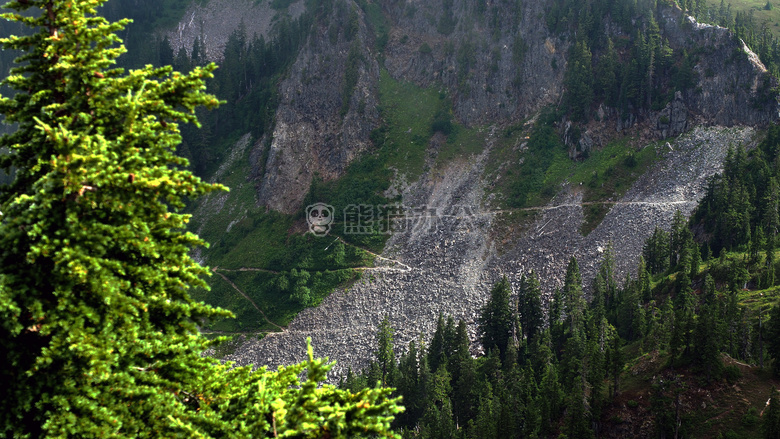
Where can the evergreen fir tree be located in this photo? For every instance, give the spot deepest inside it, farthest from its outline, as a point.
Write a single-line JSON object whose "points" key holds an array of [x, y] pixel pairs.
{"points": [[485, 424], [574, 301], [758, 243], [530, 304], [656, 251], [607, 75], [98, 330], [460, 350], [495, 319], [436, 351], [680, 238], [771, 206], [463, 376], [629, 322], [449, 337], [643, 280], [385, 357], [695, 259], [408, 385], [666, 325], [540, 353], [683, 317], [557, 324], [579, 82], [615, 363], [437, 422], [731, 320], [707, 340], [578, 410], [769, 277], [552, 396], [528, 418]]}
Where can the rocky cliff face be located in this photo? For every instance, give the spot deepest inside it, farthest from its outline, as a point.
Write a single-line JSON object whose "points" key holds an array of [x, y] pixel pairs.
{"points": [[733, 85], [500, 64], [497, 67], [328, 109]]}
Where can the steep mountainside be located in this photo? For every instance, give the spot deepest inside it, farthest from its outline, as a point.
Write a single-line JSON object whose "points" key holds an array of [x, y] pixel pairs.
{"points": [[448, 265], [482, 75]]}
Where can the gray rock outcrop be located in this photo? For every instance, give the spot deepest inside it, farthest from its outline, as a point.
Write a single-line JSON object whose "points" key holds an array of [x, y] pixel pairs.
{"points": [[734, 87], [673, 119], [318, 129], [497, 69]]}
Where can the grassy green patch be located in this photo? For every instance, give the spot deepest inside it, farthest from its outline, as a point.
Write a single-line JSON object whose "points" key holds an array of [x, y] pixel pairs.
{"points": [[605, 176], [363, 183], [531, 166], [593, 215], [759, 299], [307, 270], [409, 113], [272, 293], [607, 173], [531, 184], [461, 143], [241, 235], [761, 14]]}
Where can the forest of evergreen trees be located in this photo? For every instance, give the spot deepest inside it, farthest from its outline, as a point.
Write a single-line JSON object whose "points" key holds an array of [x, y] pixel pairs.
{"points": [[545, 376], [99, 335], [551, 367], [641, 72]]}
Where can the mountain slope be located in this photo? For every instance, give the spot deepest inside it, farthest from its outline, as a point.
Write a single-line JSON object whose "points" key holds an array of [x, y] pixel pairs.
{"points": [[449, 267], [474, 149]]}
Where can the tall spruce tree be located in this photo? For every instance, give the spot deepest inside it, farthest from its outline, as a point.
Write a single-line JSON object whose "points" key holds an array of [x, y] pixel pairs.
{"points": [[707, 337], [384, 352], [656, 251], [574, 301], [579, 82], [530, 306], [436, 351], [495, 319], [98, 330]]}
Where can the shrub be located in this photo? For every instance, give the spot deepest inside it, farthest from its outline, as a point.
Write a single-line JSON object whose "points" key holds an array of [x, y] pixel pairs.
{"points": [[732, 373], [750, 418]]}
